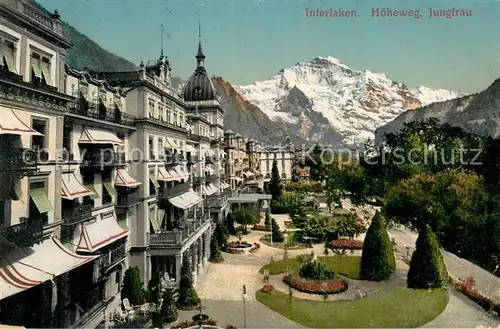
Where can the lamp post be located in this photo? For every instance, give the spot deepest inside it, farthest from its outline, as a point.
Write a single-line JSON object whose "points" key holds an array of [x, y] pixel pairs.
{"points": [[492, 278], [244, 296], [285, 238]]}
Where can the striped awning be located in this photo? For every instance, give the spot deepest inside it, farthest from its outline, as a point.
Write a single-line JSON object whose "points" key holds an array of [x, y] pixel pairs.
{"points": [[98, 136], [72, 188], [123, 179], [92, 236], [11, 123]]}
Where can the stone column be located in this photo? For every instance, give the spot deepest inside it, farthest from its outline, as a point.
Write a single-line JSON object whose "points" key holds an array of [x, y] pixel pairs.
{"points": [[194, 262], [178, 265], [199, 242], [207, 246]]}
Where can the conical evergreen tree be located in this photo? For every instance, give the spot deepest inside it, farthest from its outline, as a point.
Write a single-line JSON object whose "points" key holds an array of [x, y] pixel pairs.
{"points": [[132, 286], [276, 232], [377, 260], [215, 254], [187, 294], [427, 268], [267, 220], [275, 184]]}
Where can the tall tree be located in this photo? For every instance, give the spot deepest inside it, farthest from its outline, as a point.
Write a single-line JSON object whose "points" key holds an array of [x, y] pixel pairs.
{"points": [[132, 286], [427, 268], [215, 254], [275, 184], [267, 220], [188, 297], [169, 305], [377, 259]]}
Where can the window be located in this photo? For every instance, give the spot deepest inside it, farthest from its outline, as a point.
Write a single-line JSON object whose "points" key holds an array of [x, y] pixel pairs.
{"points": [[151, 109], [169, 116], [181, 119], [88, 181], [39, 141], [40, 69], [161, 110], [151, 148], [175, 118], [160, 147], [108, 188], [268, 165], [8, 56], [3, 215], [39, 204]]}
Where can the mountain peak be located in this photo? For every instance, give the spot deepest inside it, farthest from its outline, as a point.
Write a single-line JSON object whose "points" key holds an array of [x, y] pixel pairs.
{"points": [[329, 60]]}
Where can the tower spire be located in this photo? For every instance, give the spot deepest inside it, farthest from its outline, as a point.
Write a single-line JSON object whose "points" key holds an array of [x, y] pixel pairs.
{"points": [[161, 52], [200, 57]]}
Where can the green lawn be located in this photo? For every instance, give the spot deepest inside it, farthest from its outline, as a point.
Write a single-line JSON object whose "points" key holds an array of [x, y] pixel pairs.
{"points": [[394, 307], [292, 245], [344, 265]]}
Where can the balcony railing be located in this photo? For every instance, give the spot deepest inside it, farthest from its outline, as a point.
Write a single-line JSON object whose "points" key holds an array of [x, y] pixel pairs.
{"points": [[26, 233], [170, 192], [102, 158], [114, 115], [77, 214], [178, 236], [127, 200], [218, 200]]}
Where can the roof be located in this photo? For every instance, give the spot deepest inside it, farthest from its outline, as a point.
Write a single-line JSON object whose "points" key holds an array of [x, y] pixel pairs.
{"points": [[199, 86]]}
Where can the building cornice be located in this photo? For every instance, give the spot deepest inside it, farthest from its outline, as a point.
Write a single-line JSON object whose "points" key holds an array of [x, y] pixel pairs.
{"points": [[159, 125], [158, 90]]}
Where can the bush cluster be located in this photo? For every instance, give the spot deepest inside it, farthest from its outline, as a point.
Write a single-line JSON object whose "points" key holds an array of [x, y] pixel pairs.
{"points": [[187, 324], [316, 287], [314, 270], [258, 227], [349, 244], [306, 186], [268, 288]]}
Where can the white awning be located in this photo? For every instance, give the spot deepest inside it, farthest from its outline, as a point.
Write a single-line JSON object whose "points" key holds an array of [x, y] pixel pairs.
{"points": [[10, 123], [180, 202], [210, 152], [91, 236], [27, 267], [180, 172], [248, 174], [72, 188], [192, 197], [267, 180], [166, 175], [168, 144], [238, 179], [191, 149], [98, 136], [123, 179]]}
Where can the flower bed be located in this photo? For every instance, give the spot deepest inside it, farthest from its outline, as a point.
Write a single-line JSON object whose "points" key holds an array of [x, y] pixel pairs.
{"points": [[187, 324], [467, 288], [235, 251], [268, 288], [346, 244], [255, 248], [236, 244], [316, 287], [260, 228]]}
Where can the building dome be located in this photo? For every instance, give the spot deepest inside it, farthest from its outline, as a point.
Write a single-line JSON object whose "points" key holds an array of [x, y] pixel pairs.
{"points": [[199, 87]]}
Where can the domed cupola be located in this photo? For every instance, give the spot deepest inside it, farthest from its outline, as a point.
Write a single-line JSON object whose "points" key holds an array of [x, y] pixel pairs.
{"points": [[199, 87]]}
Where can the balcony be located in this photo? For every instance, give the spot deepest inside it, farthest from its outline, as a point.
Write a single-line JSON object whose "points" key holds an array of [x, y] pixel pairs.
{"points": [[26, 233], [178, 236], [110, 257], [218, 200], [192, 159], [170, 192], [211, 178], [101, 158], [197, 180], [114, 115], [21, 159], [78, 214], [127, 200]]}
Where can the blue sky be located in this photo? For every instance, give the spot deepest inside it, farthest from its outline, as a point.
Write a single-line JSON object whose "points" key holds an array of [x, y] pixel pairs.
{"points": [[246, 41]]}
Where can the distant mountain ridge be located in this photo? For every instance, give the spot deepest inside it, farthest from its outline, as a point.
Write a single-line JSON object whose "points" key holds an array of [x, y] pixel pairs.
{"points": [[326, 101]]}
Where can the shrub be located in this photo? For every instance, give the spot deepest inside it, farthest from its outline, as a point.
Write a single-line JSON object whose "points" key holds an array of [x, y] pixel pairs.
{"points": [[230, 326], [188, 298], [132, 286], [307, 186], [260, 228], [168, 306], [427, 269], [268, 288], [275, 231], [377, 259], [187, 324], [316, 287], [234, 251], [349, 244], [314, 270], [256, 246]]}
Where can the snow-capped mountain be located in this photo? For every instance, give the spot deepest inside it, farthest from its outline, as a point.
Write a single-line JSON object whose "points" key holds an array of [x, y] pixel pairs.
{"points": [[324, 100]]}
